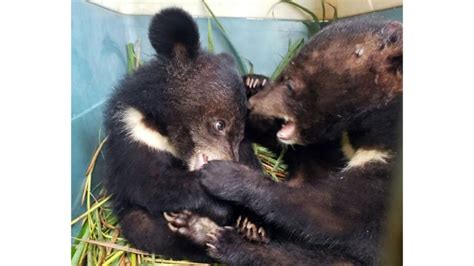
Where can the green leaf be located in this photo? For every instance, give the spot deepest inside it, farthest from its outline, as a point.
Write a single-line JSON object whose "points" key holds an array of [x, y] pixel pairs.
{"points": [[279, 159], [95, 206], [112, 258], [293, 49], [240, 62], [210, 40], [251, 66], [89, 256], [304, 9], [133, 56], [313, 25], [335, 11], [133, 259], [323, 6], [130, 58], [80, 246]]}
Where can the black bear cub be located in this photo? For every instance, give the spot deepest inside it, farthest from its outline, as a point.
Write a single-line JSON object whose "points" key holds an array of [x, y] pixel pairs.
{"points": [[338, 103], [183, 108]]}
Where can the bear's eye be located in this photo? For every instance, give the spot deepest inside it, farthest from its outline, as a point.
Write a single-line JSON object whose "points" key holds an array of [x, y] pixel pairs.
{"points": [[289, 86], [219, 125]]}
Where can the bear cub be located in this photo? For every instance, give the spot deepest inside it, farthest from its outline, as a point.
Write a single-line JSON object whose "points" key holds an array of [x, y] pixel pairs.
{"points": [[165, 121], [338, 103]]}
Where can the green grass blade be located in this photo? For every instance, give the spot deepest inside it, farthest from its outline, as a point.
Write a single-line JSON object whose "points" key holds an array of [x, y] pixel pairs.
{"points": [[304, 9], [130, 58], [114, 246], [251, 66], [323, 7], [137, 52], [90, 261], [114, 257], [335, 11], [80, 247], [313, 26], [76, 248], [133, 259], [133, 56], [279, 159], [210, 40], [94, 207], [272, 166], [293, 49], [240, 62]]}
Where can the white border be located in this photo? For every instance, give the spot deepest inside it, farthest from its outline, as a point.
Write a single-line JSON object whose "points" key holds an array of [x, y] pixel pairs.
{"points": [[35, 138], [261, 9], [35, 134]]}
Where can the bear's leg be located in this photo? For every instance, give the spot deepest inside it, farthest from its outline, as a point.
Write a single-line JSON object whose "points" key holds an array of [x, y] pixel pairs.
{"points": [[151, 234], [226, 245], [199, 228]]}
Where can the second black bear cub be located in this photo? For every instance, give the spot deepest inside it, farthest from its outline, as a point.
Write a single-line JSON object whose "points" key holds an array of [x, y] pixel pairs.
{"points": [[183, 108], [346, 83]]}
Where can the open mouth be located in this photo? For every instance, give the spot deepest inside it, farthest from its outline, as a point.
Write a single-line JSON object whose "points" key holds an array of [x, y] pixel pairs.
{"points": [[287, 131]]}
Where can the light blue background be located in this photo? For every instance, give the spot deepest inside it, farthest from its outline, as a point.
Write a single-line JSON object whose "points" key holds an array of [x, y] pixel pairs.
{"points": [[99, 61]]}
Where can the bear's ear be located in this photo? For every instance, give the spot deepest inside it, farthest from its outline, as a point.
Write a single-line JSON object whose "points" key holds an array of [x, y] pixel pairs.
{"points": [[173, 33], [392, 43], [392, 33]]}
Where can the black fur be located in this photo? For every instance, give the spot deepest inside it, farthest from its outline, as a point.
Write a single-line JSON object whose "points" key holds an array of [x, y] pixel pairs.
{"points": [[180, 95], [325, 214], [172, 27]]}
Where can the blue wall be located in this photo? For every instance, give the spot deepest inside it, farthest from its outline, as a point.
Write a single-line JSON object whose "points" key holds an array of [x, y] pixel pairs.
{"points": [[98, 55]]}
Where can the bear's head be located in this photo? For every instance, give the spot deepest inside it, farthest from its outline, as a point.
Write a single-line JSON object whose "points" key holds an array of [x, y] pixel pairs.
{"points": [[349, 68], [186, 101]]}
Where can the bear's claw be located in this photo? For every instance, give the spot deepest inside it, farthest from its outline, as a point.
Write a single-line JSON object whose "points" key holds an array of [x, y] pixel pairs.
{"points": [[192, 226], [250, 231], [254, 83]]}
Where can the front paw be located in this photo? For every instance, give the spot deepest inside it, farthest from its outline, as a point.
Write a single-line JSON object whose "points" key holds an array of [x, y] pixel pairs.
{"points": [[254, 83], [225, 179]]}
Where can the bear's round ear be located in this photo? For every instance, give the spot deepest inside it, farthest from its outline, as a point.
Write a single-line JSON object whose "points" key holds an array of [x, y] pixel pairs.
{"points": [[392, 41], [173, 33], [392, 33]]}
